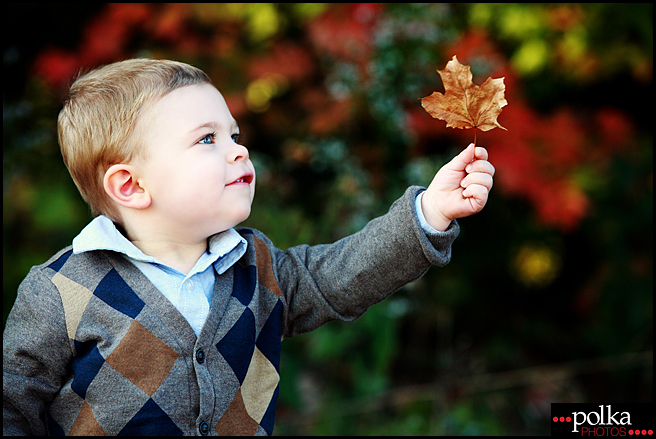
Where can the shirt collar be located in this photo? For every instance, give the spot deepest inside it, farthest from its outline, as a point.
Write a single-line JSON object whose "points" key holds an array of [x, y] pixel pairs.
{"points": [[102, 234]]}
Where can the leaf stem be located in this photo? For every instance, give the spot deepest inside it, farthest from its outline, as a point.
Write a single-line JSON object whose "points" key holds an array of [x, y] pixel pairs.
{"points": [[474, 136]]}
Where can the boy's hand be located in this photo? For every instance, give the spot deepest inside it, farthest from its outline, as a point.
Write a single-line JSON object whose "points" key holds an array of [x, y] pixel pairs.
{"points": [[459, 189]]}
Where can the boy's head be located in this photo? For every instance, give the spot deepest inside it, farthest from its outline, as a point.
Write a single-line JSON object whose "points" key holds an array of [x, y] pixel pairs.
{"points": [[104, 121]]}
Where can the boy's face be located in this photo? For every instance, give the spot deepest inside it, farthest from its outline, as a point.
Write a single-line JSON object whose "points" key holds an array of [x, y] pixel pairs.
{"points": [[201, 181]]}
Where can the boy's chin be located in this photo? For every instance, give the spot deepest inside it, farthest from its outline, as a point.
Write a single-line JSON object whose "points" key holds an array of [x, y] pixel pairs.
{"points": [[245, 213], [240, 217]]}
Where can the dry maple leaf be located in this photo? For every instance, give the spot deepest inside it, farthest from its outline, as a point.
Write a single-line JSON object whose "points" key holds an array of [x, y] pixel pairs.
{"points": [[463, 104]]}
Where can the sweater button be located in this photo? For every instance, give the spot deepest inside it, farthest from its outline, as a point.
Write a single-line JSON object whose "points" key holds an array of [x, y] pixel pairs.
{"points": [[204, 428], [200, 356]]}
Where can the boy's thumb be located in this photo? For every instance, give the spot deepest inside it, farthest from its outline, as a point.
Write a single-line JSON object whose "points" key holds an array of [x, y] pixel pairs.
{"points": [[464, 158]]}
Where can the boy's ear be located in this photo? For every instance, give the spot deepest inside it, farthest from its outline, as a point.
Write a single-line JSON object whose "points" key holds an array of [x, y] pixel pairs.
{"points": [[122, 186]]}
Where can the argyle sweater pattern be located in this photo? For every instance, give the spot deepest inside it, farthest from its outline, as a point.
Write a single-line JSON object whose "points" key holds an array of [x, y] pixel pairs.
{"points": [[91, 347]]}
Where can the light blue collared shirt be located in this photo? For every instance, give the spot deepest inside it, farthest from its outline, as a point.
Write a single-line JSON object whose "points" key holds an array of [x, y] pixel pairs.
{"points": [[191, 294]]}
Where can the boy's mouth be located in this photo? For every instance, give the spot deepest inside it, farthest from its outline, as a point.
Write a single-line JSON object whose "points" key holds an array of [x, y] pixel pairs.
{"points": [[247, 178]]}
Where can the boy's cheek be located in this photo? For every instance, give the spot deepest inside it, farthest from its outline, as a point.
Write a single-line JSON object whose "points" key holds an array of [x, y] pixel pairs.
{"points": [[253, 182]]}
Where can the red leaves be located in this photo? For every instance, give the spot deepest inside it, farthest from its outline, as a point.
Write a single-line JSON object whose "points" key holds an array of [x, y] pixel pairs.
{"points": [[346, 31], [105, 38], [288, 59], [540, 158], [56, 66]]}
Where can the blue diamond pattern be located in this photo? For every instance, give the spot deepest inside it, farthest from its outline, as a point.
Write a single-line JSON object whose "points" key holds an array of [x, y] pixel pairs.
{"points": [[269, 341], [116, 293], [151, 420], [238, 345], [54, 429], [59, 263], [85, 366], [270, 415], [245, 279]]}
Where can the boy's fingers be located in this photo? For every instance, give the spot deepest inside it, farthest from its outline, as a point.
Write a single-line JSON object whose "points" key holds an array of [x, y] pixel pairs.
{"points": [[481, 153], [480, 166], [476, 191], [478, 178]]}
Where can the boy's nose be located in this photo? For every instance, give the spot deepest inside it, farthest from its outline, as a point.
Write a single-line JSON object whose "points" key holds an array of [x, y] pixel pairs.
{"points": [[237, 153]]}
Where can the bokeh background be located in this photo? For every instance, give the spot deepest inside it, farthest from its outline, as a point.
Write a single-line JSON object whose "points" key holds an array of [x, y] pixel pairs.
{"points": [[549, 296]]}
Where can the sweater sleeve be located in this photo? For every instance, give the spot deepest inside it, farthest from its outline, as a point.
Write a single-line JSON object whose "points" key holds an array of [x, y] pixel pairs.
{"points": [[36, 352], [341, 280]]}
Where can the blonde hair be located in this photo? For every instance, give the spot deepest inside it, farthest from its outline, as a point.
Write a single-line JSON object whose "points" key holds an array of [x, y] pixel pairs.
{"points": [[98, 124]]}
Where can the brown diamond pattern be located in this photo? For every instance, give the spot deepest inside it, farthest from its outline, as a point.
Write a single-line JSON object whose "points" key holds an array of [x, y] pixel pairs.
{"points": [[86, 424], [236, 419], [143, 358], [264, 268]]}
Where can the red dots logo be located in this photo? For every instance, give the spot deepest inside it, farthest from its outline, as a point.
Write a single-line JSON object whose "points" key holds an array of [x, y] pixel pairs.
{"points": [[590, 420], [562, 419]]}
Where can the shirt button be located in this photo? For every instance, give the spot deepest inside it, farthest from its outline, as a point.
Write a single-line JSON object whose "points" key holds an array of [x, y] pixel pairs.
{"points": [[204, 428], [200, 356]]}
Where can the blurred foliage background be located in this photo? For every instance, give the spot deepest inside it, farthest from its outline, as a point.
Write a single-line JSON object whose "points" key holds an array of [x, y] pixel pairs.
{"points": [[549, 296]]}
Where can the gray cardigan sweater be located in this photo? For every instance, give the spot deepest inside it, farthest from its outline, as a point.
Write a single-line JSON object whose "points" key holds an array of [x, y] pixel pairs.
{"points": [[92, 347]]}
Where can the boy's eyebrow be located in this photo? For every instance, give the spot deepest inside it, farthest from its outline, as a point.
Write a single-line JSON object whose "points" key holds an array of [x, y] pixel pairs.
{"points": [[213, 125]]}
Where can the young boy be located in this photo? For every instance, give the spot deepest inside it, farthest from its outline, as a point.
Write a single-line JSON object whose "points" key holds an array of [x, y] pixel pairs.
{"points": [[161, 318]]}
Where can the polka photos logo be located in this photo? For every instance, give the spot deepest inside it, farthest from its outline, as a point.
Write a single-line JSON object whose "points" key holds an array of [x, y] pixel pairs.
{"points": [[602, 420]]}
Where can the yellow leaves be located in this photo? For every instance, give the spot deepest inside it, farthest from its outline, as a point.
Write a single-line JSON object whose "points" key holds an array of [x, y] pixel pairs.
{"points": [[260, 92], [531, 57], [465, 105], [262, 20], [536, 265]]}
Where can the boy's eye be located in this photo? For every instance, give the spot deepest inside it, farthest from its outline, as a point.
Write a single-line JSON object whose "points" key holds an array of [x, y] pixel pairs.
{"points": [[209, 139], [235, 137]]}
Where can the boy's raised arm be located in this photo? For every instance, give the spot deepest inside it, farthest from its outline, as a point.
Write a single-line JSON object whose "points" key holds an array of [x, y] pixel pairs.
{"points": [[341, 280]]}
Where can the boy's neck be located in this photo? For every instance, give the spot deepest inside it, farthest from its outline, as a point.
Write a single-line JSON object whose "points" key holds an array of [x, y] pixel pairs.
{"points": [[167, 249], [180, 256]]}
